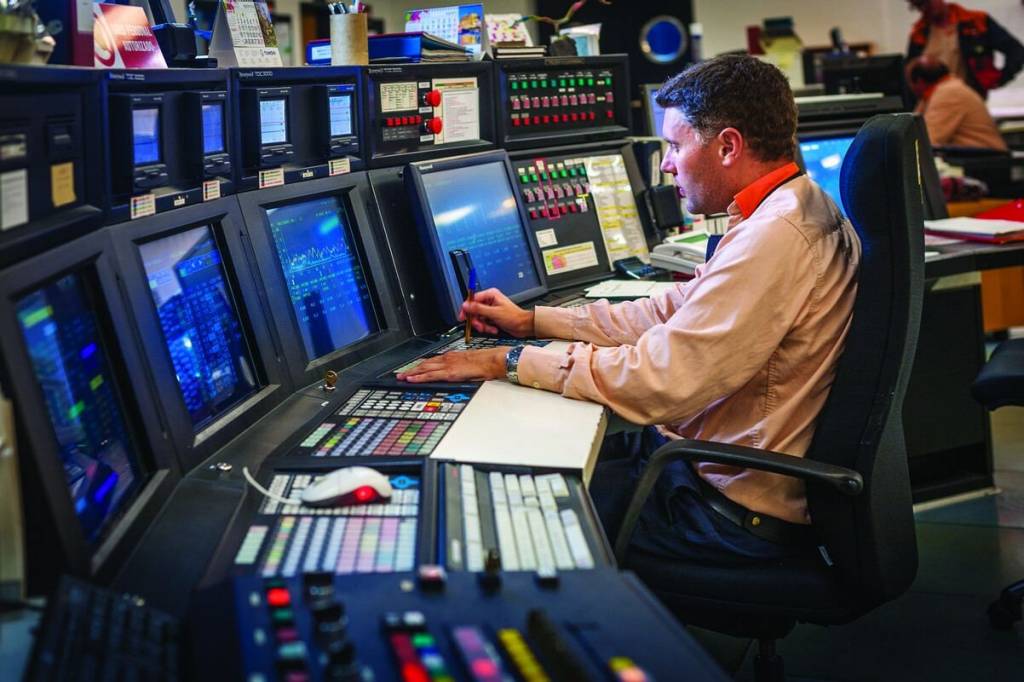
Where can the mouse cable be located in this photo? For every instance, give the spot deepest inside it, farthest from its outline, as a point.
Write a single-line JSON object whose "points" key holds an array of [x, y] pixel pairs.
{"points": [[267, 493]]}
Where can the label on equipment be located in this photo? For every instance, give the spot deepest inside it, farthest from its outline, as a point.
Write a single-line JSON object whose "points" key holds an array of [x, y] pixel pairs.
{"points": [[397, 97], [142, 206], [13, 198], [569, 258], [211, 190], [339, 166], [273, 177]]}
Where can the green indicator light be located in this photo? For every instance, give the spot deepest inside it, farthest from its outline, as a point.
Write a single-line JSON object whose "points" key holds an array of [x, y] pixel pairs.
{"points": [[76, 409], [572, 82], [281, 615], [590, 82], [533, 84], [515, 85], [523, 178], [96, 382], [535, 178], [562, 173], [561, 82], [544, 83], [572, 172], [422, 639]]}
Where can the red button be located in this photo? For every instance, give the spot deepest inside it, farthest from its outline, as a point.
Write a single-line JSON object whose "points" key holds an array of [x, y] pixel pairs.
{"points": [[435, 125], [574, 116], [547, 119], [515, 123], [536, 120], [278, 596], [565, 118], [563, 209], [432, 98], [544, 212], [593, 115], [419, 119], [573, 208], [483, 667], [389, 122], [414, 672], [610, 114], [533, 214], [526, 120]]}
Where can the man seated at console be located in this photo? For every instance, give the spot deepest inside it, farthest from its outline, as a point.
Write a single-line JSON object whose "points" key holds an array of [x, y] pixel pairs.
{"points": [[953, 112], [743, 353]]}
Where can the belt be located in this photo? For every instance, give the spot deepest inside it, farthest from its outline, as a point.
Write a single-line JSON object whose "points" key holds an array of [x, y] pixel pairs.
{"points": [[763, 526]]}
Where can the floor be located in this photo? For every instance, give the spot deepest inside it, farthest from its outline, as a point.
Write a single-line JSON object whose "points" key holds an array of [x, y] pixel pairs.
{"points": [[938, 630]]}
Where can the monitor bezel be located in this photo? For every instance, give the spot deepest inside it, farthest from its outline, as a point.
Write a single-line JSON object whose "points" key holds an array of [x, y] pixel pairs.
{"points": [[93, 259], [648, 89], [428, 230], [353, 192], [195, 444]]}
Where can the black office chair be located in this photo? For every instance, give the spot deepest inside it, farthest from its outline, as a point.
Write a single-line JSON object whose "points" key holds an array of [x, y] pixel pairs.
{"points": [[1000, 383], [858, 487]]}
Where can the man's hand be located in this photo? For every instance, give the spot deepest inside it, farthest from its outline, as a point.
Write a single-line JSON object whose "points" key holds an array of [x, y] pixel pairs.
{"points": [[492, 311], [471, 365]]}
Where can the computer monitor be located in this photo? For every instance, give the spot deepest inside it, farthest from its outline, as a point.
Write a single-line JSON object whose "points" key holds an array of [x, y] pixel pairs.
{"points": [[469, 203], [146, 135], [95, 467], [323, 270], [823, 161], [654, 112], [201, 327], [881, 73]]}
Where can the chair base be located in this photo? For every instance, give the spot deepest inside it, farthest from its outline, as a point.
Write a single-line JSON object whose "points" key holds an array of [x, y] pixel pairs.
{"points": [[1006, 610]]}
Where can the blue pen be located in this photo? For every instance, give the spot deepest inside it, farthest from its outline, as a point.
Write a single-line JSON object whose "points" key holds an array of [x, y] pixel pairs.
{"points": [[470, 291]]}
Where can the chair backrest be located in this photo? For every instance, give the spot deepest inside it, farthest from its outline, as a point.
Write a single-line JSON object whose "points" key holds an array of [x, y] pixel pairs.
{"points": [[871, 537]]}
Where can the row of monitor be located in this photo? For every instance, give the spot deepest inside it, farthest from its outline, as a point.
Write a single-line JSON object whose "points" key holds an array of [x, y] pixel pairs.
{"points": [[140, 349]]}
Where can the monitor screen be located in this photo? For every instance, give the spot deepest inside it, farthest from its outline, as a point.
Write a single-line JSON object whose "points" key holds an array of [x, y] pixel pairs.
{"points": [[273, 121], [474, 209], [201, 328], [68, 357], [823, 159], [146, 135], [325, 278], [213, 128], [340, 108], [657, 113]]}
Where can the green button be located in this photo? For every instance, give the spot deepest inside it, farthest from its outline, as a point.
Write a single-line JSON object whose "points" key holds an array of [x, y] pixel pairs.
{"points": [[533, 84], [292, 651], [515, 85], [523, 178], [544, 83], [282, 615], [543, 176], [572, 172], [561, 82], [422, 639], [534, 178], [572, 82], [562, 173], [590, 81]]}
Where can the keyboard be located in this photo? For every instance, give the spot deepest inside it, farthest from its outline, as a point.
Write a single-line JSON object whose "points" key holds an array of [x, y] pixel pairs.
{"points": [[91, 633]]}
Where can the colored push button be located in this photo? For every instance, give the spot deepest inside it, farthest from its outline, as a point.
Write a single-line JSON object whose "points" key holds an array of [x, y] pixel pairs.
{"points": [[562, 172], [561, 83], [592, 116], [572, 82], [572, 172], [434, 125], [533, 84], [626, 670], [544, 83], [565, 118], [514, 85], [590, 82], [413, 671], [281, 617], [432, 98], [609, 114], [533, 214], [278, 597], [524, 178], [534, 177], [292, 651]]}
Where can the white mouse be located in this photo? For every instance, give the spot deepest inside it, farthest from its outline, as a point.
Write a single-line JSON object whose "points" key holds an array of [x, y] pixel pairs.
{"points": [[351, 485]]}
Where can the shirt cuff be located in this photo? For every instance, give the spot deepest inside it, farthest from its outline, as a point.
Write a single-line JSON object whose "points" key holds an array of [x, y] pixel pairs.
{"points": [[554, 323], [539, 368]]}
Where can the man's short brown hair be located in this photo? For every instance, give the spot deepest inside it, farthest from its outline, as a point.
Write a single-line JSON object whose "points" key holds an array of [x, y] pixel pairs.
{"points": [[737, 91]]}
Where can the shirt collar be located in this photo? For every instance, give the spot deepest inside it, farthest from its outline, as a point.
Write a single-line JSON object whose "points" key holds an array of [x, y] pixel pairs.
{"points": [[750, 197], [927, 95]]}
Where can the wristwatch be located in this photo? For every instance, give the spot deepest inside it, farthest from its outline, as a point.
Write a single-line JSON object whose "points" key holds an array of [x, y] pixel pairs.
{"points": [[512, 364]]}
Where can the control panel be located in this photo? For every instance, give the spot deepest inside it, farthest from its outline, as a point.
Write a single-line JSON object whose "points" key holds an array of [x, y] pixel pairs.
{"points": [[561, 100], [169, 132], [421, 111], [582, 209], [431, 625], [296, 124]]}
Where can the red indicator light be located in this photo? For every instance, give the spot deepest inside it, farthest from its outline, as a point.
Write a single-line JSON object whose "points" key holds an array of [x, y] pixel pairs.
{"points": [[433, 98], [278, 596], [365, 493], [414, 672]]}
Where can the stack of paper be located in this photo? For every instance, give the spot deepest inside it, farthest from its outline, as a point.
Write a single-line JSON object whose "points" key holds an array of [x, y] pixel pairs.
{"points": [[977, 229], [627, 288]]}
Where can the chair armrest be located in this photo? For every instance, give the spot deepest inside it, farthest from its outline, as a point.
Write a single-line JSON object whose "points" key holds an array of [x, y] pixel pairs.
{"points": [[845, 481]]}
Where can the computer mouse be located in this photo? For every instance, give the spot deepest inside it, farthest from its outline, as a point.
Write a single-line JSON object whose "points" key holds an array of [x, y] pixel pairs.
{"points": [[350, 485]]}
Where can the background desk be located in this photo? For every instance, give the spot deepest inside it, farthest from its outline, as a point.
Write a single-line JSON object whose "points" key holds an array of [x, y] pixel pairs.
{"points": [[947, 432]]}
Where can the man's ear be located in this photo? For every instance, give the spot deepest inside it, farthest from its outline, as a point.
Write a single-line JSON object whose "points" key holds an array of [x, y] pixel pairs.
{"points": [[731, 146]]}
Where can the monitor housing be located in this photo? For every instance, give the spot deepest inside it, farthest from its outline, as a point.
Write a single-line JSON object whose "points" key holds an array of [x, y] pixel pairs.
{"points": [[653, 112], [339, 249], [155, 168], [848, 74], [208, 115], [419, 179], [84, 401], [202, 322], [285, 125]]}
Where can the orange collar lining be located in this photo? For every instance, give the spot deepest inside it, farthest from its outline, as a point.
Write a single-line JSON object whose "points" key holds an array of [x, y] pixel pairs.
{"points": [[751, 196]]}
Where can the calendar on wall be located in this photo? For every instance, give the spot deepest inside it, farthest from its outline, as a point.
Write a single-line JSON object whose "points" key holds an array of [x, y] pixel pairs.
{"points": [[243, 35], [459, 24]]}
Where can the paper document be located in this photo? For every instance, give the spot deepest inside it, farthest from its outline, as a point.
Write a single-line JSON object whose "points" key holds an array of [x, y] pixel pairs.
{"points": [[628, 288], [521, 426], [978, 226]]}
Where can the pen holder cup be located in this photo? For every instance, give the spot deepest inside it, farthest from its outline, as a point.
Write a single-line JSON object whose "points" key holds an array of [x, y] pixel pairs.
{"points": [[348, 40]]}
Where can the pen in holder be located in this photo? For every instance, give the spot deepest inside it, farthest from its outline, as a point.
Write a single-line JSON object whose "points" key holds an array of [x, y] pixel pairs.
{"points": [[349, 45]]}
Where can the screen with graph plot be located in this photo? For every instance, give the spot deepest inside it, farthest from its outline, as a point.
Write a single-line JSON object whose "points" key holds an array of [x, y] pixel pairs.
{"points": [[326, 279], [473, 209], [823, 159], [201, 328], [68, 357]]}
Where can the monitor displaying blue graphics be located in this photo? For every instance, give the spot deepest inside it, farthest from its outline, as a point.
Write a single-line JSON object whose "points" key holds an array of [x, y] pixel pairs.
{"points": [[201, 329], [340, 109], [823, 159], [273, 121], [473, 209], [325, 278], [146, 135], [657, 112], [213, 128], [68, 358]]}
